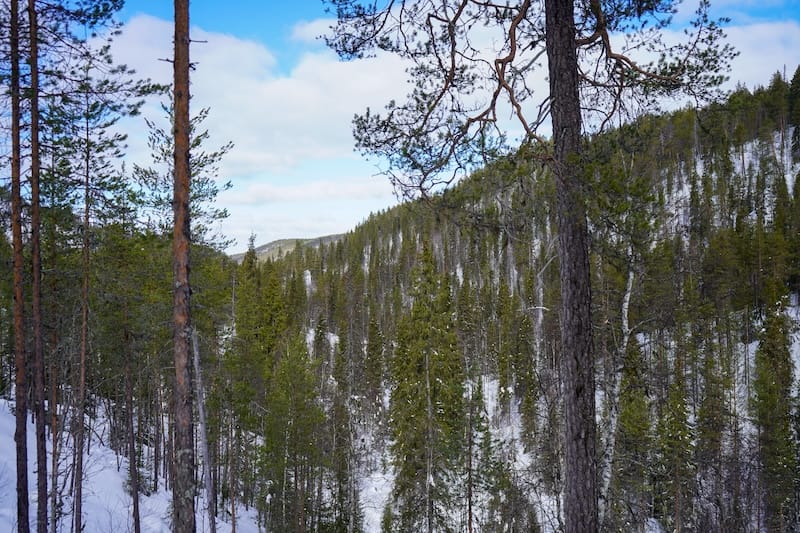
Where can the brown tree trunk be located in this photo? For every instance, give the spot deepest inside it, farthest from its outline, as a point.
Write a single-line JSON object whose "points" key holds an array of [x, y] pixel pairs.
{"points": [[79, 429], [36, 260], [54, 437], [133, 466], [184, 487], [232, 470], [577, 363], [159, 432], [20, 381]]}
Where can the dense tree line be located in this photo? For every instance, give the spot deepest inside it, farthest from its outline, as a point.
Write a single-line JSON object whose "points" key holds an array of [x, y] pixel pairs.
{"points": [[424, 346], [431, 346]]}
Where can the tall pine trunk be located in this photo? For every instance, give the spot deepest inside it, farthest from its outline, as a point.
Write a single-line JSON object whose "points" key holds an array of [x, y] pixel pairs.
{"points": [[36, 260], [81, 402], [184, 486], [577, 363], [20, 380]]}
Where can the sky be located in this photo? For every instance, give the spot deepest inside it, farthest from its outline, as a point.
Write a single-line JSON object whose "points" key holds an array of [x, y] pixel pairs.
{"points": [[286, 102]]}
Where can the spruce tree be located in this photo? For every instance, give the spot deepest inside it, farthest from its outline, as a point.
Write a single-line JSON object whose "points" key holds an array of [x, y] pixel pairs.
{"points": [[772, 412], [290, 455], [427, 404], [629, 504], [674, 468]]}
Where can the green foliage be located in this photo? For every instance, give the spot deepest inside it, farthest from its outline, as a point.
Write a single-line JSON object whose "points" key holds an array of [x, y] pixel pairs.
{"points": [[632, 481], [436, 307], [374, 366], [772, 412], [674, 466], [427, 408], [156, 181], [289, 455]]}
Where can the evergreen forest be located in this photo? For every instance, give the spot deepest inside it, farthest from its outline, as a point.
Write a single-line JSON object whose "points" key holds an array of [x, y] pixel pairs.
{"points": [[405, 376]]}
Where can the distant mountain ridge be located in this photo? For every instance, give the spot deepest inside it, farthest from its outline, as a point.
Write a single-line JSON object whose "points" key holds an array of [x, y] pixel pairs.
{"points": [[276, 249]]}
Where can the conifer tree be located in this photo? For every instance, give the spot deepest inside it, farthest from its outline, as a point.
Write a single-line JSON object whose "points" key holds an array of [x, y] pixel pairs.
{"points": [[448, 125], [427, 404], [77, 134], [794, 114], [712, 422], [374, 365], [347, 516], [794, 235], [772, 413], [20, 380], [290, 455], [674, 449], [630, 489], [156, 179]]}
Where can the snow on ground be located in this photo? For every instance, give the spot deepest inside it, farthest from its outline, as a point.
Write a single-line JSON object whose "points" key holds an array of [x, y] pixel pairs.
{"points": [[375, 491], [107, 504]]}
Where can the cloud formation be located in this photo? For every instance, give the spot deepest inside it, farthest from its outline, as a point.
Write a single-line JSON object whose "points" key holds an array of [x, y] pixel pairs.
{"points": [[293, 167], [279, 123]]}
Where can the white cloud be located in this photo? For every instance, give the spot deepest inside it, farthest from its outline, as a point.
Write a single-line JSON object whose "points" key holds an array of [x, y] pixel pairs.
{"points": [[275, 121], [262, 192], [765, 48], [278, 122], [310, 32], [285, 121]]}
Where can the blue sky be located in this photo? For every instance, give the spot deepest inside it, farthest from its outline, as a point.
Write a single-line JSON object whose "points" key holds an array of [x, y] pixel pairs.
{"points": [[286, 102]]}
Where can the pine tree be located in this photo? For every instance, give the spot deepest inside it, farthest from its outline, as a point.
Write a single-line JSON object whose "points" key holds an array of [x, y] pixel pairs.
{"points": [[184, 487], [20, 380], [156, 180]]}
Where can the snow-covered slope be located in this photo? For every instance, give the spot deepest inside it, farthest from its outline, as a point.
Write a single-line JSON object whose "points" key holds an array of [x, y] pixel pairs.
{"points": [[107, 504]]}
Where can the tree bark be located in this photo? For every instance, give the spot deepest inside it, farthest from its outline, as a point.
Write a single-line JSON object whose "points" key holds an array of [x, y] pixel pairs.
{"points": [[79, 429], [201, 413], [184, 487], [133, 465], [20, 380], [54, 438], [36, 260], [577, 358], [609, 440], [157, 448]]}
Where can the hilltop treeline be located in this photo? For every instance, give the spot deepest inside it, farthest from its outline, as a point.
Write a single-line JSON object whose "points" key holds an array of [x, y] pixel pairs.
{"points": [[406, 376]]}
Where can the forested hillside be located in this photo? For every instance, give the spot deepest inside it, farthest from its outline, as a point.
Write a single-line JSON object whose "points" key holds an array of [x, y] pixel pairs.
{"points": [[406, 376]]}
